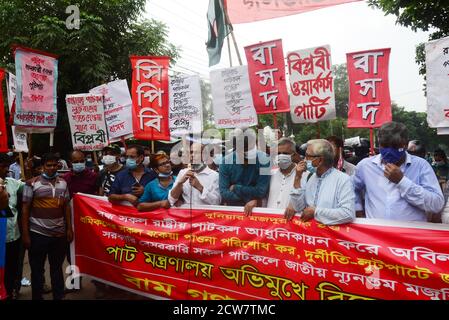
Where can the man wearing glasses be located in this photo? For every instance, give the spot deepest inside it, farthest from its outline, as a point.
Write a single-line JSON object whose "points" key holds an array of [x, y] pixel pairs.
{"points": [[328, 195]]}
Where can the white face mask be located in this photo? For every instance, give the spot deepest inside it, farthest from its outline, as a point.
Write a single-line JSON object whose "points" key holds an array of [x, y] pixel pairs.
{"points": [[146, 161], [284, 160], [251, 154], [108, 160]]}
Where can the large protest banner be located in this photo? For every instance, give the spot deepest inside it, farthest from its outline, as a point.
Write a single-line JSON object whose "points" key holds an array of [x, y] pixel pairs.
{"points": [[86, 118], [218, 253], [149, 92], [186, 107], [117, 109], [233, 103], [369, 91], [242, 11], [37, 75], [437, 82], [19, 137], [311, 84], [267, 77], [3, 131]]}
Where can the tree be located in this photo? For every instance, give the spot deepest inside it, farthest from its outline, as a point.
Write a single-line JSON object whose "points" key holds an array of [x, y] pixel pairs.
{"points": [[97, 52], [419, 15]]}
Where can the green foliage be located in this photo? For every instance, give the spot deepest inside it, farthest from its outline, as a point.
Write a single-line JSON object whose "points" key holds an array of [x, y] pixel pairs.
{"points": [[110, 31]]}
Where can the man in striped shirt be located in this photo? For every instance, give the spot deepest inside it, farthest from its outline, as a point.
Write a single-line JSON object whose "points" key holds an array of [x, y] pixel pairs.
{"points": [[47, 226]]}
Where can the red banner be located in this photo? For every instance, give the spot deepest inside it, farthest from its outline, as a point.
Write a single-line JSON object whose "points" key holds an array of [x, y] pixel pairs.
{"points": [[149, 94], [214, 254], [3, 131], [242, 11], [369, 92], [266, 70]]}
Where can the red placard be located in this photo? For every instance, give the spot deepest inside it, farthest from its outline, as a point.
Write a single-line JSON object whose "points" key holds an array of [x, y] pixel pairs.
{"points": [[3, 131], [369, 92], [219, 253], [266, 70], [149, 94]]}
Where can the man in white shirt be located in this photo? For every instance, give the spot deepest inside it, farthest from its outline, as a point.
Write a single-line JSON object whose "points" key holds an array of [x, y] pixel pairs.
{"points": [[328, 196], [197, 185]]}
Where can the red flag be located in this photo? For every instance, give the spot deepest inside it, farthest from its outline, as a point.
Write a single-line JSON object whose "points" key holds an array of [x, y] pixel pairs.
{"points": [[3, 131], [267, 77], [150, 97], [369, 93], [254, 10]]}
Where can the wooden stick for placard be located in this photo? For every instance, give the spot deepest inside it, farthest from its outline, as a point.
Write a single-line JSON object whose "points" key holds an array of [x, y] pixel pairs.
{"points": [[22, 167], [95, 158], [275, 121], [51, 142], [371, 140], [152, 146], [124, 143], [233, 38], [229, 52]]}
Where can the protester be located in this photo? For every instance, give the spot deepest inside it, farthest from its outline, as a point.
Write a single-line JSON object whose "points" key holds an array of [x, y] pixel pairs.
{"points": [[328, 196], [46, 226], [15, 170], [147, 157], [416, 148], [80, 179], [242, 180], [339, 161], [62, 164], [156, 192], [13, 248], [129, 184], [395, 184], [441, 166], [197, 185], [112, 167]]}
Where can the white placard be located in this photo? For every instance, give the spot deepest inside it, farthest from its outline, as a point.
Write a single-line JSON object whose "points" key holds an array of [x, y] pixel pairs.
{"points": [[186, 112], [232, 100], [437, 74]]}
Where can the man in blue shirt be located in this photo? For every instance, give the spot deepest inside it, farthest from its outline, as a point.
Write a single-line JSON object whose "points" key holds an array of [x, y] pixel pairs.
{"points": [[245, 173], [129, 183], [395, 185]]}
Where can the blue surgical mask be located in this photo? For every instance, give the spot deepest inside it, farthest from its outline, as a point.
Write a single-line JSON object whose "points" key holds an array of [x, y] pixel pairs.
{"points": [[49, 177], [310, 166], [165, 175], [131, 164], [392, 155], [78, 167]]}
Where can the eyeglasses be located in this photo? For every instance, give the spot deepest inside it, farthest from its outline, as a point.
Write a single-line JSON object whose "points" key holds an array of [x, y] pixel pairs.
{"points": [[163, 163], [311, 156]]}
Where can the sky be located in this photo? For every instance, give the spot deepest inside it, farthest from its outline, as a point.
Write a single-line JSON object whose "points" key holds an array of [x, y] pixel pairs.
{"points": [[346, 28]]}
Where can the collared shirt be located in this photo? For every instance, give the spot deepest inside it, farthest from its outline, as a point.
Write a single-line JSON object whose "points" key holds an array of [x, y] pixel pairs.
{"points": [[83, 182], [124, 181], [332, 195], [47, 215], [15, 171], [13, 187], [280, 187], [251, 181], [107, 178], [191, 195], [418, 191], [348, 168], [154, 191]]}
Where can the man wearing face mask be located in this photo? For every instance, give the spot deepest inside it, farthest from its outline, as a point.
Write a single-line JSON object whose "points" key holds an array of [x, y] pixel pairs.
{"points": [[242, 179], [328, 195], [396, 185], [339, 161], [129, 184], [147, 157], [197, 185], [80, 178], [112, 167]]}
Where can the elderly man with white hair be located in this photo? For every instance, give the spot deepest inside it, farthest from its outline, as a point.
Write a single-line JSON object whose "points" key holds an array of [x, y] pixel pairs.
{"points": [[328, 195]]}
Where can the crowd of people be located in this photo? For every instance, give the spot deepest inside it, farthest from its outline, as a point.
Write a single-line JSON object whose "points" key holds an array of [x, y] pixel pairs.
{"points": [[313, 180]]}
